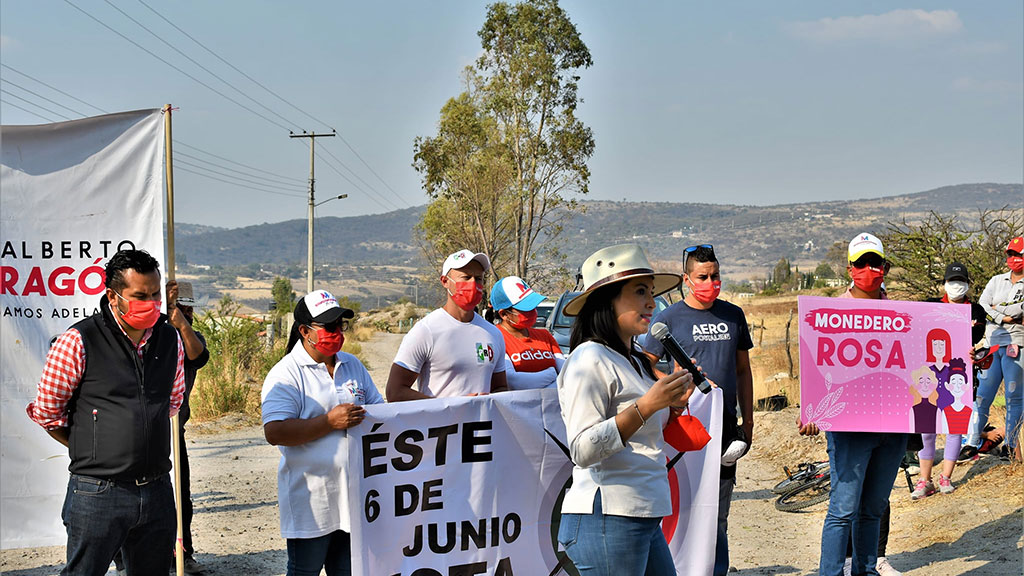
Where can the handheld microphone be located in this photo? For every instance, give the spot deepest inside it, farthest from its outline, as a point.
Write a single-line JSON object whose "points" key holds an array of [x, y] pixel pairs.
{"points": [[660, 331]]}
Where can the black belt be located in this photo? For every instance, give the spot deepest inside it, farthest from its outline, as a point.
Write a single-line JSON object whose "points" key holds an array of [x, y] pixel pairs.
{"points": [[127, 480]]}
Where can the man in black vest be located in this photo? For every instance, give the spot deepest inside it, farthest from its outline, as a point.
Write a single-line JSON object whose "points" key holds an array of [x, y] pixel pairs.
{"points": [[108, 389]]}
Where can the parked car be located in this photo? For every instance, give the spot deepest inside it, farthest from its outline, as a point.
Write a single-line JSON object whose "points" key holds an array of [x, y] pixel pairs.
{"points": [[543, 311], [560, 325]]}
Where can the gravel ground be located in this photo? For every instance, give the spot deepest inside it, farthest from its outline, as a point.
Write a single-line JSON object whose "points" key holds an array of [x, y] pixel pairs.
{"points": [[975, 531]]}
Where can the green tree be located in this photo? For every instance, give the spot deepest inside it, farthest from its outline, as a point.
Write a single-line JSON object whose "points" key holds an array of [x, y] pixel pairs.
{"points": [[824, 270], [919, 252], [510, 152], [283, 295]]}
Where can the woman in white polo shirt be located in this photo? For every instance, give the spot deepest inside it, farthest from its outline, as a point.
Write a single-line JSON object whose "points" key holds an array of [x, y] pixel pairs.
{"points": [[309, 398], [614, 412]]}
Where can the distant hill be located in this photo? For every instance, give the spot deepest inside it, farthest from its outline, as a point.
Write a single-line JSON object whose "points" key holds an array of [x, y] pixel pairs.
{"points": [[746, 237]]}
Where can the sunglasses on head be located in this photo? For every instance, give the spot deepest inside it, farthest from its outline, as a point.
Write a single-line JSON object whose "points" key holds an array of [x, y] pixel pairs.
{"points": [[693, 249], [871, 259], [334, 326]]}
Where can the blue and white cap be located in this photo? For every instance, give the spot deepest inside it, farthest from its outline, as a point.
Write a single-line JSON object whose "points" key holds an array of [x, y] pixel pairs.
{"points": [[513, 292]]}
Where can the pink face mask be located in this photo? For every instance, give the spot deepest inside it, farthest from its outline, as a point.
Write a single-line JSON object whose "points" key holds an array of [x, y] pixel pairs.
{"points": [[141, 314], [867, 278], [467, 294], [328, 343], [706, 292]]}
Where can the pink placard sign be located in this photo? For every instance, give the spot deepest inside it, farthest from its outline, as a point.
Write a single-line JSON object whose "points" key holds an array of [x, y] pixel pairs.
{"points": [[885, 365]]}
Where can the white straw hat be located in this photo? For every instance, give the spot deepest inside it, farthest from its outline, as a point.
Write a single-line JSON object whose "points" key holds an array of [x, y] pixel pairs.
{"points": [[615, 264]]}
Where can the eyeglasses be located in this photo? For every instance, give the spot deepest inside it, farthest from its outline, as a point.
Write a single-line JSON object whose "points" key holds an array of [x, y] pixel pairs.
{"points": [[870, 259], [333, 326], [693, 249]]}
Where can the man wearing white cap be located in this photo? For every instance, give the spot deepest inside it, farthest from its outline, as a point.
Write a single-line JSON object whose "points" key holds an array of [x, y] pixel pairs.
{"points": [[863, 465], [453, 351]]}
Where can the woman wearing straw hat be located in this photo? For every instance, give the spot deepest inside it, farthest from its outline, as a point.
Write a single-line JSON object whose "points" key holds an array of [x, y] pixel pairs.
{"points": [[614, 411]]}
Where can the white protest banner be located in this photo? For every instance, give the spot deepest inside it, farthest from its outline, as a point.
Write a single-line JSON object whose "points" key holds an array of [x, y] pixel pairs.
{"points": [[459, 486], [71, 195]]}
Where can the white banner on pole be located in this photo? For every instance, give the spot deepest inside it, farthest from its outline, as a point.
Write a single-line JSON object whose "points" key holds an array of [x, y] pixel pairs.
{"points": [[474, 486], [71, 195]]}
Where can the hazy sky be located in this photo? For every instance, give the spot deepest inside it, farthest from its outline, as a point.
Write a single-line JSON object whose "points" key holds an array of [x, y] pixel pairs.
{"points": [[721, 102]]}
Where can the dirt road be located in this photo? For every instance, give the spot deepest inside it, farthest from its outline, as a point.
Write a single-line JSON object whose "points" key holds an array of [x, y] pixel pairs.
{"points": [[976, 531]]}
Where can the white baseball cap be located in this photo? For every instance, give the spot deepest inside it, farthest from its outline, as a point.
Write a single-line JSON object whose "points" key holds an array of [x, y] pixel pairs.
{"points": [[862, 244], [463, 257]]}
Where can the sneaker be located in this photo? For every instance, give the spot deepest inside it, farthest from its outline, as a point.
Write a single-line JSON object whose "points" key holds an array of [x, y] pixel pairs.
{"points": [[968, 452], [885, 569], [922, 489], [945, 484], [848, 567]]}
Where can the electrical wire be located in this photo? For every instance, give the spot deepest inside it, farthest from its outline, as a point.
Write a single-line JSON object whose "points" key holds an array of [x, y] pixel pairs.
{"points": [[43, 108], [236, 183], [354, 185], [192, 60], [23, 109], [193, 78], [37, 95], [294, 185], [279, 97], [16, 71], [255, 182], [190, 147]]}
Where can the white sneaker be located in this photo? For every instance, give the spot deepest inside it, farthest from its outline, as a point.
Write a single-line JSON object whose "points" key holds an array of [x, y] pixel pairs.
{"points": [[848, 567], [885, 569]]}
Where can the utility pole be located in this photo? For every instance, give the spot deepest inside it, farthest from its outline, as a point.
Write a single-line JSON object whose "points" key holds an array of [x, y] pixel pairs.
{"points": [[309, 254]]}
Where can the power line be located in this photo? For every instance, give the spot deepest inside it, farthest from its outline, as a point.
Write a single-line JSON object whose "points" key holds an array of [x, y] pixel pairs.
{"points": [[36, 114], [354, 185], [372, 171], [44, 97], [254, 182], [354, 175], [279, 97], [228, 168], [236, 183], [232, 66], [178, 143], [16, 71], [43, 108], [193, 78], [204, 68]]}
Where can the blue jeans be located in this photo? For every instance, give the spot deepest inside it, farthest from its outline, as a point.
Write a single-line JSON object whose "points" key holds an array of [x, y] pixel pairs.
{"points": [[1010, 371], [601, 545], [332, 552], [725, 488], [102, 516], [863, 467]]}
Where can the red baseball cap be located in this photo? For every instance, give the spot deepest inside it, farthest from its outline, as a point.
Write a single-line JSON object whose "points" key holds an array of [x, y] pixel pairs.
{"points": [[1017, 245]]}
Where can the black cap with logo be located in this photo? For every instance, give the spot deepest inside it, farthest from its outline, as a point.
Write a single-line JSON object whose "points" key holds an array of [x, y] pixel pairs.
{"points": [[955, 271]]}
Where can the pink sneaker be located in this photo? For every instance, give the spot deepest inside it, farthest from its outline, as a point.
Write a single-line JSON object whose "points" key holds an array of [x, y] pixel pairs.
{"points": [[946, 484], [922, 489]]}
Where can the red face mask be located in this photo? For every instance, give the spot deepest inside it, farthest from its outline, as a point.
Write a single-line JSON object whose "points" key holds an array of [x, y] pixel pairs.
{"points": [[867, 278], [467, 294], [1016, 263], [141, 314], [328, 343], [706, 292], [525, 319]]}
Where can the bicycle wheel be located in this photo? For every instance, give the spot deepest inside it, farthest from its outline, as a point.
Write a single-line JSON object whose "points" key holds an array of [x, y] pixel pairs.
{"points": [[804, 496], [800, 478]]}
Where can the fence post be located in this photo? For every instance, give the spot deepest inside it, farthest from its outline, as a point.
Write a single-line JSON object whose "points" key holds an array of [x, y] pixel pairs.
{"points": [[789, 354]]}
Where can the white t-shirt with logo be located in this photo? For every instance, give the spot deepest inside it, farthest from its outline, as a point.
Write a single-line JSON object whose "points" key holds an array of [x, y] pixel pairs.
{"points": [[452, 358]]}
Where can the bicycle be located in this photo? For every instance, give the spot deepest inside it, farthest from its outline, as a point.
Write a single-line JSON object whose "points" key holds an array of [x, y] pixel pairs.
{"points": [[809, 485]]}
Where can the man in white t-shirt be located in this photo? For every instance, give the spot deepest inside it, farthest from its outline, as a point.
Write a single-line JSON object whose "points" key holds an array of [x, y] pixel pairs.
{"points": [[452, 351]]}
